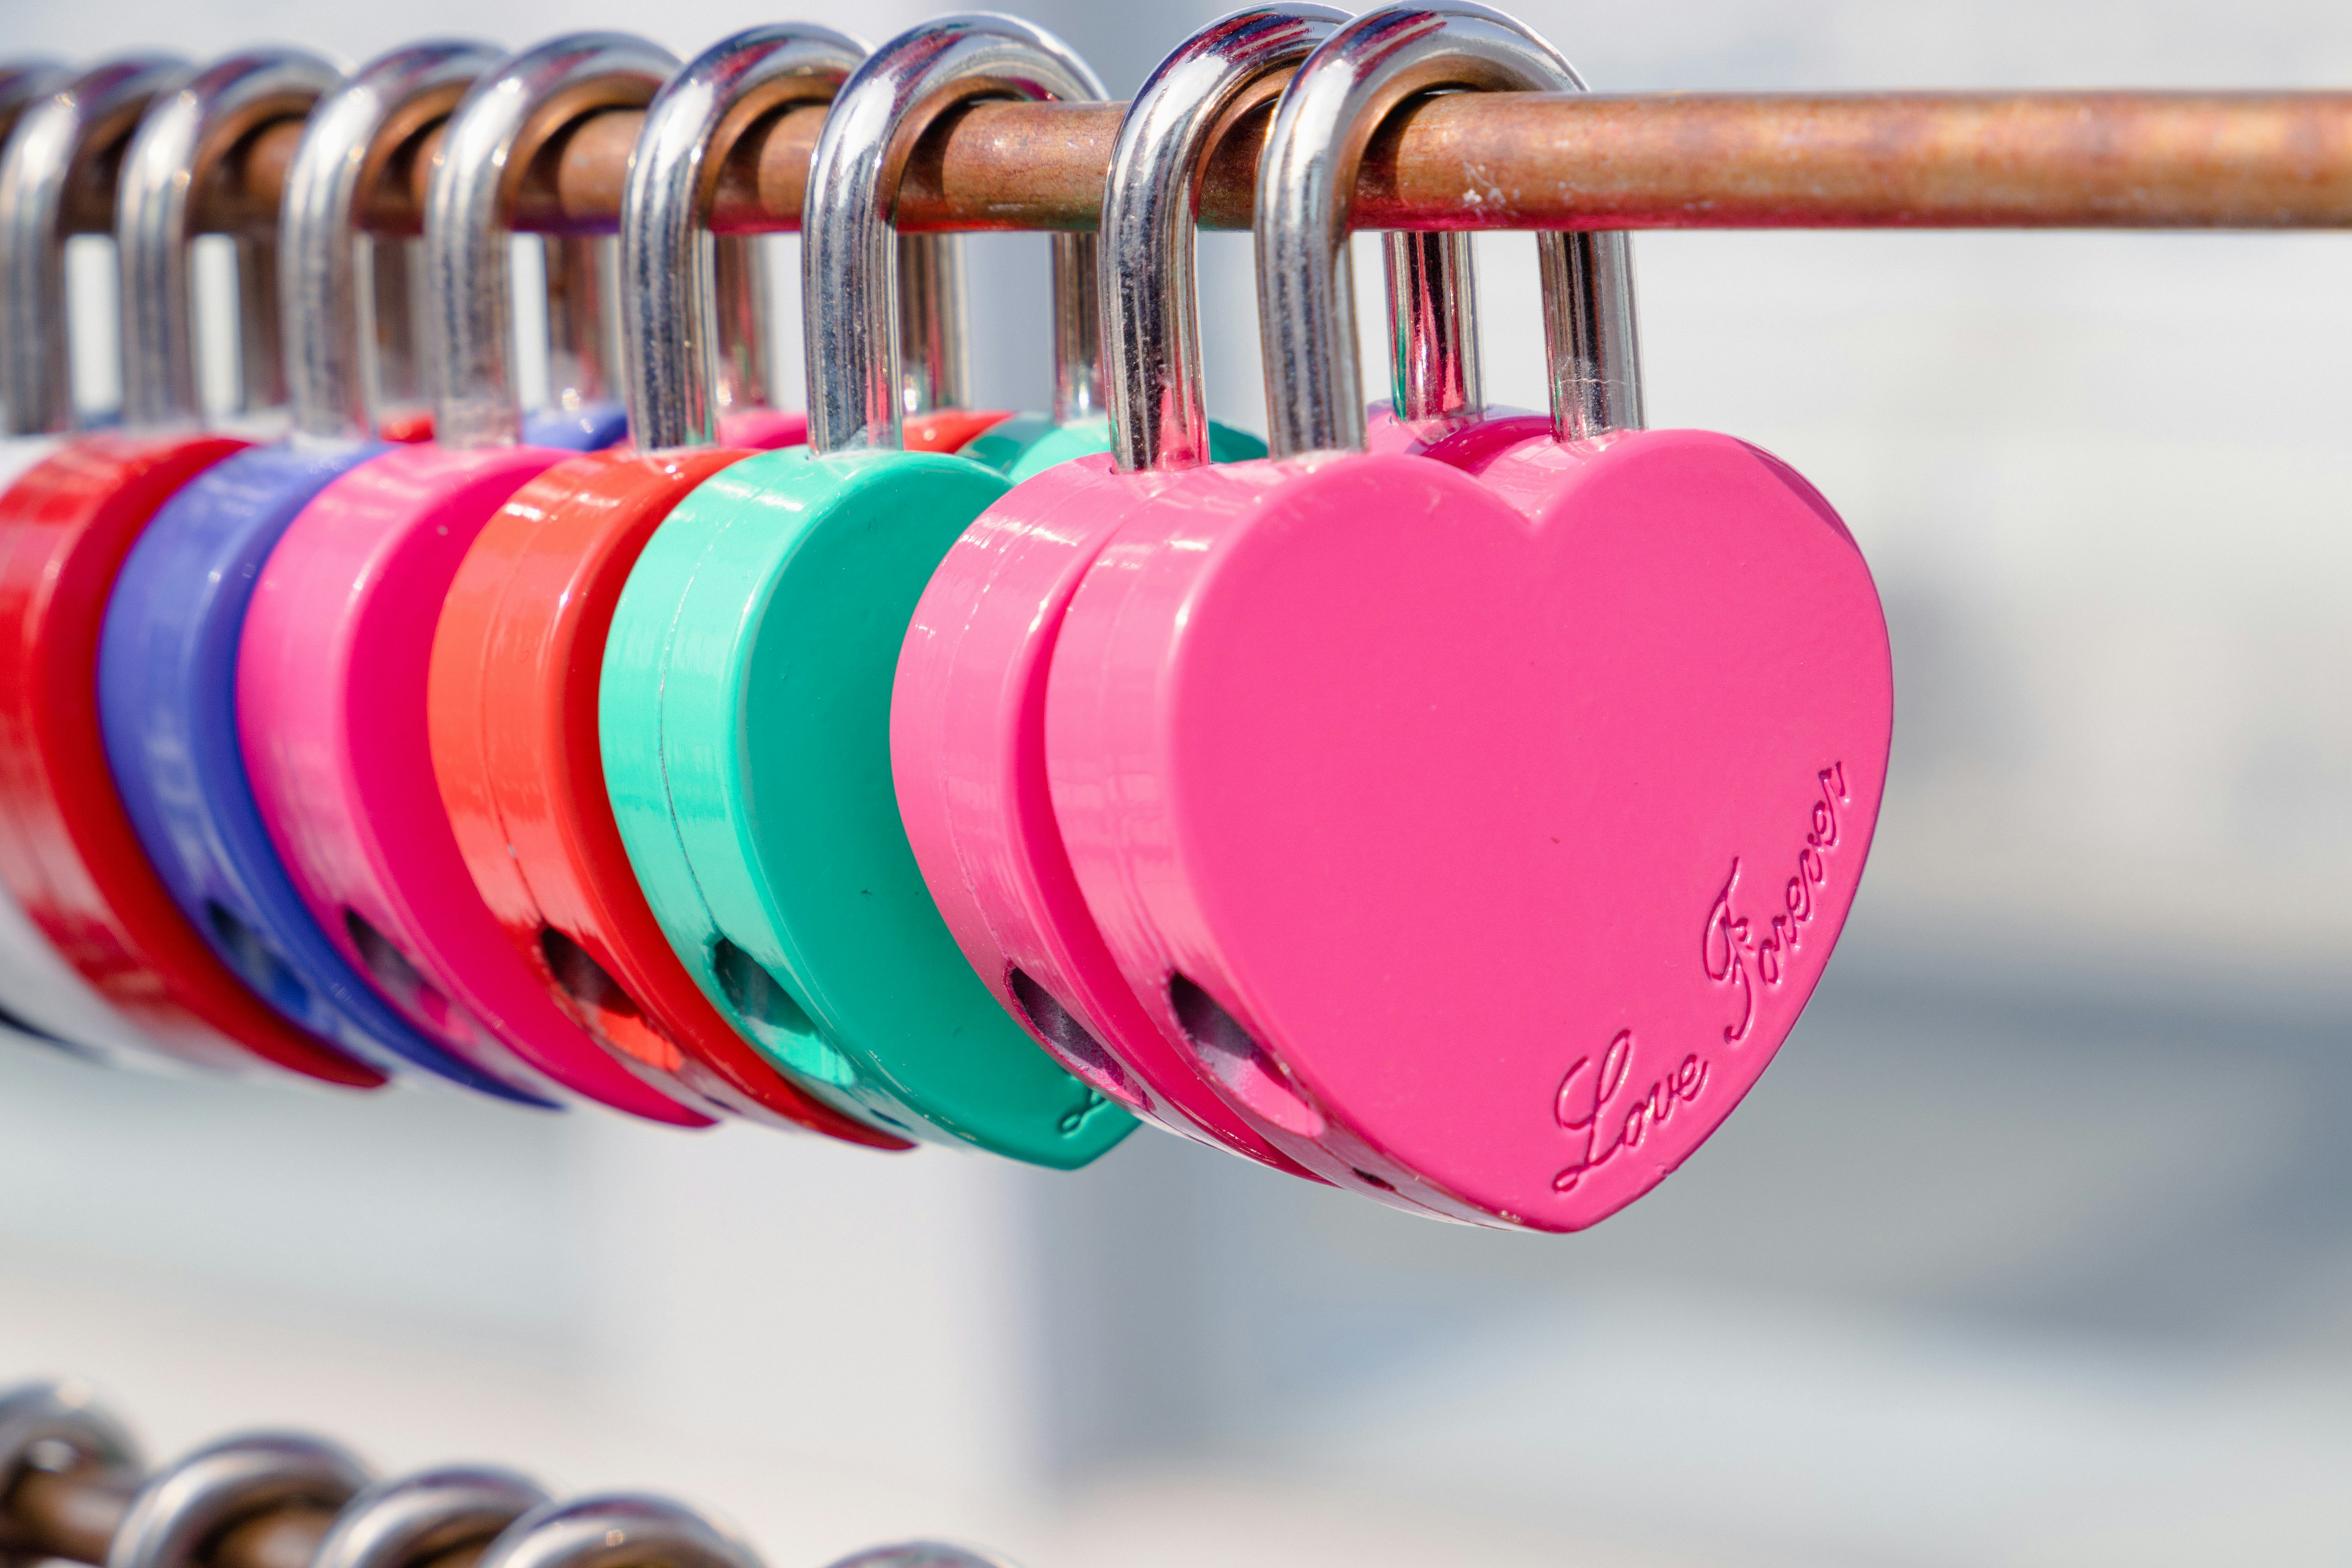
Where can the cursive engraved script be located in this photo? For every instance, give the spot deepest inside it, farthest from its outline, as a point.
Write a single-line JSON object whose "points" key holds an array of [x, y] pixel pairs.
{"points": [[1593, 1107], [1731, 938], [1599, 1104]]}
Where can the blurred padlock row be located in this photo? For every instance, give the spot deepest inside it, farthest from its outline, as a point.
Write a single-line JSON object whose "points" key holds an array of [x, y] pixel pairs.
{"points": [[74, 1488], [1455, 805]]}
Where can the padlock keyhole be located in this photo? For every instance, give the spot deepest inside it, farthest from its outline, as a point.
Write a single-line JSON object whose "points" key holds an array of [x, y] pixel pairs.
{"points": [[584, 979], [776, 1020], [397, 975], [1068, 1041], [256, 961], [1239, 1061]]}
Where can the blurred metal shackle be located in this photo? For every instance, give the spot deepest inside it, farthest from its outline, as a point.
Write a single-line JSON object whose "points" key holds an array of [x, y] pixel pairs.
{"points": [[517, 105], [68, 128], [182, 133], [326, 290], [679, 294]]}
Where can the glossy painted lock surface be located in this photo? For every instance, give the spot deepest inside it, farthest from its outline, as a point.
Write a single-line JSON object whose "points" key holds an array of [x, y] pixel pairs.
{"points": [[762, 623], [1488, 854], [61, 122], [968, 745], [333, 671], [513, 694], [512, 703], [167, 699], [167, 665], [516, 660], [1481, 825], [40, 995], [72, 860], [747, 684], [331, 679]]}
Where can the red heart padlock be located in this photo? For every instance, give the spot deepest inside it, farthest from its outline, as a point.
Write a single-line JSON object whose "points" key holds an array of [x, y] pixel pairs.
{"points": [[70, 855], [1478, 839], [520, 643]]}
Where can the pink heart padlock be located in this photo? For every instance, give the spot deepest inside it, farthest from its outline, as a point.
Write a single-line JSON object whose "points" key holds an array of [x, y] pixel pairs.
{"points": [[1478, 839], [967, 713]]}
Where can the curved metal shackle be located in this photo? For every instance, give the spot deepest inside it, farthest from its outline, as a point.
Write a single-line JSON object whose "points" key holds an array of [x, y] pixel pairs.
{"points": [[415, 1518], [68, 128], [617, 1530], [22, 84], [849, 259], [180, 134], [468, 298], [56, 1426], [1306, 179], [669, 302], [1152, 351], [324, 290], [184, 1507]]}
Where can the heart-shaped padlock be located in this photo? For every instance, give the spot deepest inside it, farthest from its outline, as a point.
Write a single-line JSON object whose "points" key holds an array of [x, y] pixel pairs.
{"points": [[167, 660], [63, 120], [747, 680], [512, 694], [1479, 843], [968, 709], [72, 859], [332, 670]]}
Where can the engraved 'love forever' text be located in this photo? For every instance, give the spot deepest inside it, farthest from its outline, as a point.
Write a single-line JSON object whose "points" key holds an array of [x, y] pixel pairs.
{"points": [[1600, 1105]]}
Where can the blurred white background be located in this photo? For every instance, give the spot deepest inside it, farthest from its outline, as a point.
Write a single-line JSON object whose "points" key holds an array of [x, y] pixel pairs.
{"points": [[2034, 1247]]}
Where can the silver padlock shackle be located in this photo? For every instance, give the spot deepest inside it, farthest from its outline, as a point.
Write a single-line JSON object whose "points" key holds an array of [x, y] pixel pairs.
{"points": [[469, 301], [325, 293], [671, 311], [182, 132], [418, 1518], [1152, 351], [1151, 356], [1307, 180], [82, 119], [850, 258], [22, 84]]}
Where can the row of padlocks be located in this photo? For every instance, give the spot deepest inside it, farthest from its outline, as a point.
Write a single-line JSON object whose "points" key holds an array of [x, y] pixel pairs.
{"points": [[1453, 805]]}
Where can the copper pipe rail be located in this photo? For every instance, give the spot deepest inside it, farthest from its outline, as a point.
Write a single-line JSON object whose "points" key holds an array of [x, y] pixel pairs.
{"points": [[1514, 160]]}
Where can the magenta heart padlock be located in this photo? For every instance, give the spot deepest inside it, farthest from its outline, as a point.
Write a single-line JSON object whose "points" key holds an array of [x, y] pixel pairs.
{"points": [[967, 715], [1477, 829]]}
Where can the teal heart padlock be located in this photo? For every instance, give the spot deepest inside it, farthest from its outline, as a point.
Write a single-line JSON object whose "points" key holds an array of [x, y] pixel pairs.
{"points": [[745, 701]]}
